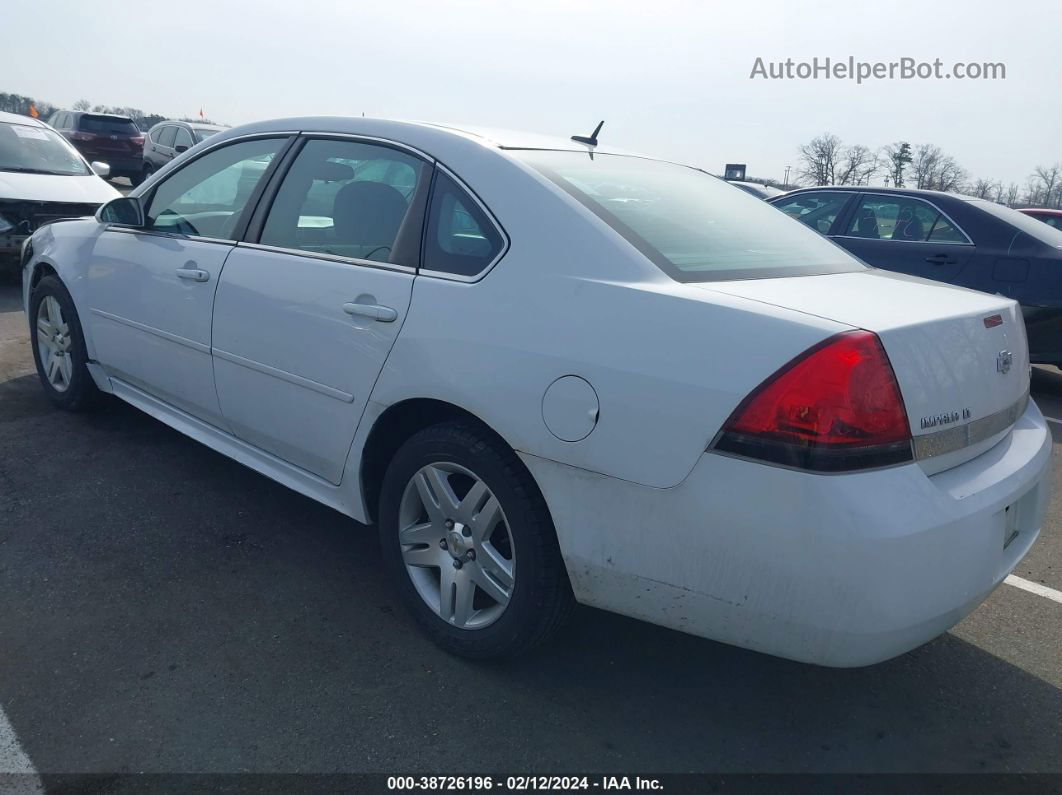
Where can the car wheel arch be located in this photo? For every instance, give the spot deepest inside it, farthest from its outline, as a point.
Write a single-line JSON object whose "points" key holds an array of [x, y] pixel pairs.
{"points": [[396, 424]]}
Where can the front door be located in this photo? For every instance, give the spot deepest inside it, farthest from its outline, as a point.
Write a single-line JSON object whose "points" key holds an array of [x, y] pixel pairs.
{"points": [[151, 291], [305, 318]]}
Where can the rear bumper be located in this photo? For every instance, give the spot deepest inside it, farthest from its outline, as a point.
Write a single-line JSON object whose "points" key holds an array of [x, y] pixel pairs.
{"points": [[839, 570]]}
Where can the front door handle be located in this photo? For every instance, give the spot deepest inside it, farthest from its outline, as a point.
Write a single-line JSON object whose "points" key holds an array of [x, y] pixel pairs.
{"points": [[384, 314], [940, 259], [193, 274]]}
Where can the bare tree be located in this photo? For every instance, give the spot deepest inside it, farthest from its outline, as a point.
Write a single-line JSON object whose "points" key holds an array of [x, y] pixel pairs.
{"points": [[818, 160], [857, 165], [1048, 185], [899, 157], [925, 164], [1013, 192], [984, 188], [82, 104]]}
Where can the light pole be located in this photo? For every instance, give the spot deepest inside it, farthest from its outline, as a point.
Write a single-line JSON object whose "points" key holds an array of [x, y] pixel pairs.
{"points": [[786, 180]]}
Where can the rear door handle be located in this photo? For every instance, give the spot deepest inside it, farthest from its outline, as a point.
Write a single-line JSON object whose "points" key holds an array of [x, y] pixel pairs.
{"points": [[940, 259], [193, 274], [384, 314]]}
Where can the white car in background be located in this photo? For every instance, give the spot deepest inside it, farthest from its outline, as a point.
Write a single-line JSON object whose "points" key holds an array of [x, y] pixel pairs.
{"points": [[551, 372], [42, 178]]}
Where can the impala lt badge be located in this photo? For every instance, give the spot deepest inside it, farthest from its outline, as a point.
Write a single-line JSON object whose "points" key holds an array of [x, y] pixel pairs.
{"points": [[1003, 361]]}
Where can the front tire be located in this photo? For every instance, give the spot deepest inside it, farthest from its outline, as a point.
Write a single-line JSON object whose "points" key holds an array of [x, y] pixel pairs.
{"points": [[470, 545], [59, 347]]}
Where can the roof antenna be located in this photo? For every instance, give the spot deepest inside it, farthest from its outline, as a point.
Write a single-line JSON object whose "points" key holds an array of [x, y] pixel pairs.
{"points": [[590, 140]]}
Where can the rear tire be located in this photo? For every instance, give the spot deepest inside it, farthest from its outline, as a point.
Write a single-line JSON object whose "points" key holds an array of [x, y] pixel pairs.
{"points": [[456, 494], [58, 345]]}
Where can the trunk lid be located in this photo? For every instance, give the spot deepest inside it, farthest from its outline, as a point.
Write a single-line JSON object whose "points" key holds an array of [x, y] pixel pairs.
{"points": [[960, 356]]}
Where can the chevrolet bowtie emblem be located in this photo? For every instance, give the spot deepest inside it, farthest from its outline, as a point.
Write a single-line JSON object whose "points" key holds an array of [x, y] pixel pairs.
{"points": [[1003, 361]]}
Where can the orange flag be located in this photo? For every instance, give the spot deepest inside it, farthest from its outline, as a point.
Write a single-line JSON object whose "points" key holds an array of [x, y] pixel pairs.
{"points": [[33, 111], [201, 114]]}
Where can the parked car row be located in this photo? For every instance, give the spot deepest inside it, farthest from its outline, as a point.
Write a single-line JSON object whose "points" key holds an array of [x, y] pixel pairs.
{"points": [[550, 372], [42, 178], [960, 240]]}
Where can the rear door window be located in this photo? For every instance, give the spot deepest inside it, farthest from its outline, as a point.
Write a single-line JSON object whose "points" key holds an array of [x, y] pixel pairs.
{"points": [[345, 199], [902, 218]]}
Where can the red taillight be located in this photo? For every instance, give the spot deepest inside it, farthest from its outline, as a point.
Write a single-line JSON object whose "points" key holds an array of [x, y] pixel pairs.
{"points": [[836, 407], [138, 140]]}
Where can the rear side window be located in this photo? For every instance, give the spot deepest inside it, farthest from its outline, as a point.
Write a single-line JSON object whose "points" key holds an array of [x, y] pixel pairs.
{"points": [[461, 240], [107, 125], [902, 218], [693, 226], [343, 198]]}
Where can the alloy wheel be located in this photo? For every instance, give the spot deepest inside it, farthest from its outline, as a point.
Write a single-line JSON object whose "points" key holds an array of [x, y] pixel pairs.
{"points": [[54, 344], [457, 545]]}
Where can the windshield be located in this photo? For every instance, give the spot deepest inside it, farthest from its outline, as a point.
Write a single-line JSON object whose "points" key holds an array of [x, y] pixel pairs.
{"points": [[1033, 227], [202, 133], [693, 226], [107, 125], [38, 150]]}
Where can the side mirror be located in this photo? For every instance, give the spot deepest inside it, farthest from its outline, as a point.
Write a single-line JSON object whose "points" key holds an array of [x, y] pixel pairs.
{"points": [[123, 211], [181, 148], [100, 169]]}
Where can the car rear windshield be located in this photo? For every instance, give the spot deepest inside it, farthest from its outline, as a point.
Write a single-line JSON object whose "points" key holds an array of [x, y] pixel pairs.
{"points": [[1033, 227], [107, 125], [693, 226], [37, 150], [202, 133]]}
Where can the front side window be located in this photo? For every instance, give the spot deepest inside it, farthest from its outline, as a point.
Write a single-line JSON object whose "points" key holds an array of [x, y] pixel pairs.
{"points": [[693, 226], [167, 135], [184, 138], [818, 209], [902, 218], [460, 240], [207, 197], [29, 149], [344, 198], [202, 133]]}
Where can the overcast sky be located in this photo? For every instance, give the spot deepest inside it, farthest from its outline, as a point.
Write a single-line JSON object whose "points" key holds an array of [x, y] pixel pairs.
{"points": [[669, 77]]}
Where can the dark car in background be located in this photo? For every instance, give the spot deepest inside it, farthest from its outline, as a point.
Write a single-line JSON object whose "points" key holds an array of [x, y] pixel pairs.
{"points": [[104, 137], [167, 139], [757, 189], [1048, 216], [960, 240]]}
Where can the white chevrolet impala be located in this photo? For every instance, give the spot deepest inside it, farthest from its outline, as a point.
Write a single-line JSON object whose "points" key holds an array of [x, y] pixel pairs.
{"points": [[552, 373]]}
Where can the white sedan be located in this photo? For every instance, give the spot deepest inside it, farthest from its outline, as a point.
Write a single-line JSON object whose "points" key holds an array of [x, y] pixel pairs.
{"points": [[550, 373]]}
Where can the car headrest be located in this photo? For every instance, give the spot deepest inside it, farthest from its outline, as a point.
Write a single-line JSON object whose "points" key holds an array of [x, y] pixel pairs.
{"points": [[333, 172], [368, 213]]}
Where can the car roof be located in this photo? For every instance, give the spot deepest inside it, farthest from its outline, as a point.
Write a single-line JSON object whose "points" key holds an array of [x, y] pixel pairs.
{"points": [[18, 118], [408, 131], [1040, 210], [879, 189], [200, 124]]}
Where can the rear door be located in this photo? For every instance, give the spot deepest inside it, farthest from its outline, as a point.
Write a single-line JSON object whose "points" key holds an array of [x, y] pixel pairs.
{"points": [[307, 309], [905, 234]]}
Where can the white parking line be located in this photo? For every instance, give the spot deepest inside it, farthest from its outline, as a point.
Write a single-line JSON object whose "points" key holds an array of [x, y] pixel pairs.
{"points": [[17, 774], [1035, 587]]}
